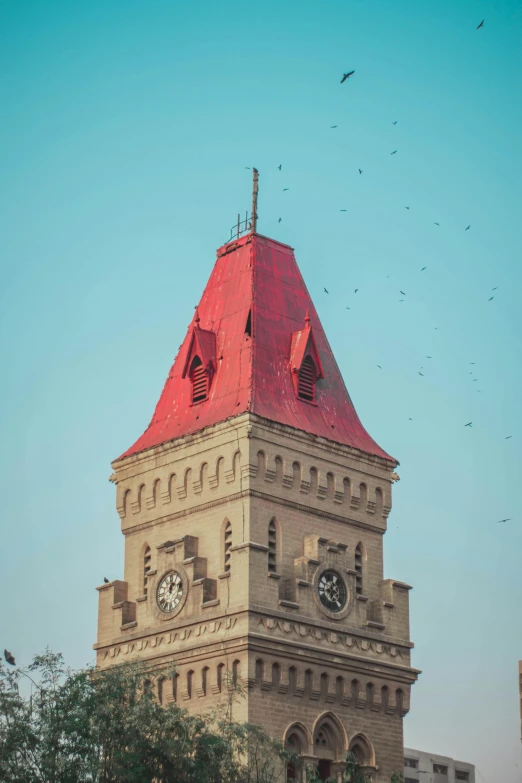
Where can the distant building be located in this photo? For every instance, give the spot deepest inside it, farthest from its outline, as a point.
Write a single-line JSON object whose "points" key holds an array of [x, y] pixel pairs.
{"points": [[431, 768]]}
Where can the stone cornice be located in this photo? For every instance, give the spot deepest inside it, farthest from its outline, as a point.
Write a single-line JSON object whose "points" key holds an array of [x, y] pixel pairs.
{"points": [[201, 436], [254, 493]]}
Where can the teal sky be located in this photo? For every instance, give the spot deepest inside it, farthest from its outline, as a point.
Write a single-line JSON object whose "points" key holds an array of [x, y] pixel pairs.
{"points": [[125, 129]]}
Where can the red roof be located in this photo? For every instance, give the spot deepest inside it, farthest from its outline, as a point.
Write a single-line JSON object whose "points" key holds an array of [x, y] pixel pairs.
{"points": [[259, 276]]}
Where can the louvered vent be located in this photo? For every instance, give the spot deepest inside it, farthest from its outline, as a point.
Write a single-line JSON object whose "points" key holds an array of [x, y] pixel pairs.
{"points": [[199, 380], [307, 378]]}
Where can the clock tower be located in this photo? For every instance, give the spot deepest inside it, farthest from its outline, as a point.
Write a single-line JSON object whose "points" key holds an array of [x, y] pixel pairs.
{"points": [[254, 509]]}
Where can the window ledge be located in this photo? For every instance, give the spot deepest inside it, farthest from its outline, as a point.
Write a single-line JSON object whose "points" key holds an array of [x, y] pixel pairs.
{"points": [[225, 575], [274, 575], [206, 604], [141, 598], [127, 626], [362, 597], [288, 604]]}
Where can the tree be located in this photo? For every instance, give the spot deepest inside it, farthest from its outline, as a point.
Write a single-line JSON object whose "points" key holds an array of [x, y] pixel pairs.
{"points": [[93, 726]]}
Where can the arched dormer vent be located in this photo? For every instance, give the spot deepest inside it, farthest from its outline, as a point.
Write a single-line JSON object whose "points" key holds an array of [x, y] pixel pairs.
{"points": [[305, 363], [200, 363]]}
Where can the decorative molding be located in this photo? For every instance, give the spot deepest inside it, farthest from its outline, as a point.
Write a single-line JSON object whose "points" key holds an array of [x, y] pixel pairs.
{"points": [[292, 628], [168, 638]]}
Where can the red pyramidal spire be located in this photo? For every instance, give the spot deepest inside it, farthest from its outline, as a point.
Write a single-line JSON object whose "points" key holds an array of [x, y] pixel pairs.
{"points": [[256, 344]]}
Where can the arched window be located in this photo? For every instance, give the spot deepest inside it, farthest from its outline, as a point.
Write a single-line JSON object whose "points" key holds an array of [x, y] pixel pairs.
{"points": [[235, 673], [307, 378], [359, 569], [219, 675], [199, 379], [227, 546], [175, 687], [272, 546], [146, 568], [190, 676], [362, 751], [204, 679]]}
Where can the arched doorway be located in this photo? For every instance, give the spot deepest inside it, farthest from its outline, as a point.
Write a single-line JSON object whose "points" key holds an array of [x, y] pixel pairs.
{"points": [[363, 754], [329, 745], [297, 743]]}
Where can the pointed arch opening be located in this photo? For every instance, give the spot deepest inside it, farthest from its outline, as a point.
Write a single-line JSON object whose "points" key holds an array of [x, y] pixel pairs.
{"points": [[329, 743], [297, 744], [147, 556], [307, 377], [227, 545], [362, 750], [359, 558], [272, 547]]}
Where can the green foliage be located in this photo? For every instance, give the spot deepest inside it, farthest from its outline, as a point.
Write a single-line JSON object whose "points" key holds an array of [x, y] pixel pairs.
{"points": [[105, 726]]}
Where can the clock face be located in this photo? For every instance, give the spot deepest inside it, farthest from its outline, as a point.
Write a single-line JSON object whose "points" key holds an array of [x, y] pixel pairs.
{"points": [[169, 592], [332, 591]]}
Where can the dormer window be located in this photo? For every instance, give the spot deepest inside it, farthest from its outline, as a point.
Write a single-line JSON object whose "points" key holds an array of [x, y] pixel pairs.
{"points": [[305, 363], [199, 378], [306, 380]]}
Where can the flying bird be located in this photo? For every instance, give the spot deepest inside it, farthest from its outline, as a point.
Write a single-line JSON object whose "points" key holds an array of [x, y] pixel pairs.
{"points": [[105, 580], [469, 424], [394, 152], [494, 289], [508, 437], [472, 362], [406, 207], [467, 229], [356, 290], [395, 123], [325, 291], [423, 268], [285, 189], [402, 292], [379, 366], [9, 658], [436, 224], [347, 308], [490, 298], [429, 357], [410, 419], [421, 373], [280, 166], [280, 219], [360, 171], [481, 24], [334, 126], [347, 76], [247, 167], [344, 210], [504, 520]]}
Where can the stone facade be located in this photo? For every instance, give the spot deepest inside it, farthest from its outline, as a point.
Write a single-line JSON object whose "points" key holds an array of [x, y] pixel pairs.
{"points": [[250, 513]]}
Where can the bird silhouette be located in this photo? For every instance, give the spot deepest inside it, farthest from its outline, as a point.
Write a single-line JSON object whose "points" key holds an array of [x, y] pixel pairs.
{"points": [[334, 126], [344, 210], [494, 289], [490, 298], [9, 658], [472, 362], [467, 229], [421, 373], [481, 24], [105, 580], [436, 224], [347, 76], [508, 437], [406, 207], [500, 521], [285, 189], [280, 166], [423, 268], [280, 219], [469, 424], [402, 292], [247, 167], [395, 123], [394, 152], [325, 291], [429, 357], [360, 171], [356, 290], [379, 366]]}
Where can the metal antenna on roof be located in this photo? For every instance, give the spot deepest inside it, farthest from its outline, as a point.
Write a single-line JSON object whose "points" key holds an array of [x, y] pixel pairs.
{"points": [[255, 190]]}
